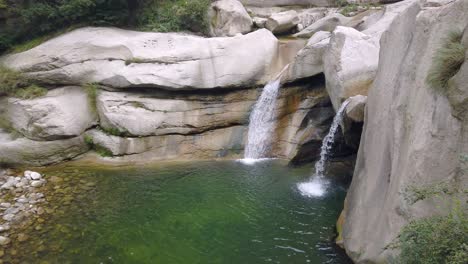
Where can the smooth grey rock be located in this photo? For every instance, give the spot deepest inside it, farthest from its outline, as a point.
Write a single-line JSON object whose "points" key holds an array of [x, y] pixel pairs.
{"points": [[328, 23], [260, 22], [309, 60], [282, 22], [228, 18], [355, 108], [62, 113], [35, 175], [410, 137], [122, 58], [8, 217]]}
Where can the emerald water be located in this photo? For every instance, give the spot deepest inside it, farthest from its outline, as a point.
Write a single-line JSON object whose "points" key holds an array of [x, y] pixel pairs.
{"points": [[194, 212]]}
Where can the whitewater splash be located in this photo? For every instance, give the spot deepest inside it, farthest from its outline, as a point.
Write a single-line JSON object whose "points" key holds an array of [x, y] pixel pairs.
{"points": [[317, 185]]}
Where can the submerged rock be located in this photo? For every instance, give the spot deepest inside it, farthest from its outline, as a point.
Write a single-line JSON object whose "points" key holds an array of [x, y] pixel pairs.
{"points": [[4, 241]]}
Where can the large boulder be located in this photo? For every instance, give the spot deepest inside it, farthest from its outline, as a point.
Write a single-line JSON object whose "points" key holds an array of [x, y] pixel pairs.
{"points": [[228, 18], [62, 113], [282, 22], [328, 23], [410, 138], [350, 64], [121, 58], [309, 60], [270, 3]]}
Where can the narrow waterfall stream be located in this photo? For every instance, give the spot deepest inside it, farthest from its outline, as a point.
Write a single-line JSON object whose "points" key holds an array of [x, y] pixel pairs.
{"points": [[317, 184], [262, 123]]}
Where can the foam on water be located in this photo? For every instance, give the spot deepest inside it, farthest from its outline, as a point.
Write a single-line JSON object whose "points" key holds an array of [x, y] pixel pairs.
{"points": [[248, 161], [314, 188]]}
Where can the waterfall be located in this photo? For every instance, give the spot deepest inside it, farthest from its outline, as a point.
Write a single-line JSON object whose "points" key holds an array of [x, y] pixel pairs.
{"points": [[316, 186], [262, 123]]}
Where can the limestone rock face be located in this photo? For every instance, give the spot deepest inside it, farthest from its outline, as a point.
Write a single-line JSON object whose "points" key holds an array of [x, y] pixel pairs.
{"points": [[328, 23], [121, 58], [282, 22], [411, 137], [62, 113], [270, 3], [350, 64], [228, 18], [138, 114], [23, 151], [355, 108], [194, 127]]}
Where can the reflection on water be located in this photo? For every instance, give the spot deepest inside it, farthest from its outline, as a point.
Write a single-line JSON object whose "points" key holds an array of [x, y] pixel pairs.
{"points": [[194, 212]]}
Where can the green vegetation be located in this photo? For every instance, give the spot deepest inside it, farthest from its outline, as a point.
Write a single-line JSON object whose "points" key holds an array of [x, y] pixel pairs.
{"points": [[29, 23], [447, 61], [101, 150], [435, 240], [133, 60], [13, 83], [176, 15], [113, 131], [92, 91]]}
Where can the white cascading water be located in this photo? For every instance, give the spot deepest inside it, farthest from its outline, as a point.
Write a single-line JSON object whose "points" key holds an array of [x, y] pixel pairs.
{"points": [[316, 186], [262, 123]]}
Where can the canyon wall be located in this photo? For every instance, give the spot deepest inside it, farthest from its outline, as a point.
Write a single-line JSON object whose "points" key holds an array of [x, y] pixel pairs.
{"points": [[414, 135]]}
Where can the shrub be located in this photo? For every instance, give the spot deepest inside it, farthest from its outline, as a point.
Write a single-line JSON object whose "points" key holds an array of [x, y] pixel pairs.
{"points": [[435, 240], [13, 83], [30, 92], [92, 91], [447, 61], [178, 15], [101, 150]]}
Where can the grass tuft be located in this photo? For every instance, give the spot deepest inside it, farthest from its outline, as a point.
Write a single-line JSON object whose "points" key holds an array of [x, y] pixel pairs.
{"points": [[101, 150], [13, 83], [92, 91], [446, 62]]}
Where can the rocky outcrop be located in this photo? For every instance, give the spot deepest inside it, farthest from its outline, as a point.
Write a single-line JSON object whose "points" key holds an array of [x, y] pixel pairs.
{"points": [[283, 22], [355, 108], [121, 58], [62, 113], [411, 137], [350, 64], [23, 151], [150, 114], [351, 61], [228, 18], [328, 23], [309, 60]]}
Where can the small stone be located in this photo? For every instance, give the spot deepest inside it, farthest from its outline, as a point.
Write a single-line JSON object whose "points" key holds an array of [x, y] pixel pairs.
{"points": [[38, 228], [5, 205], [40, 211], [22, 237], [55, 179], [4, 228], [40, 220], [2, 253], [8, 217], [36, 176], [4, 240], [36, 184]]}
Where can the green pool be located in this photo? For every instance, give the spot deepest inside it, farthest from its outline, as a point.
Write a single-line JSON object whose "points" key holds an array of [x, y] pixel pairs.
{"points": [[194, 212]]}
